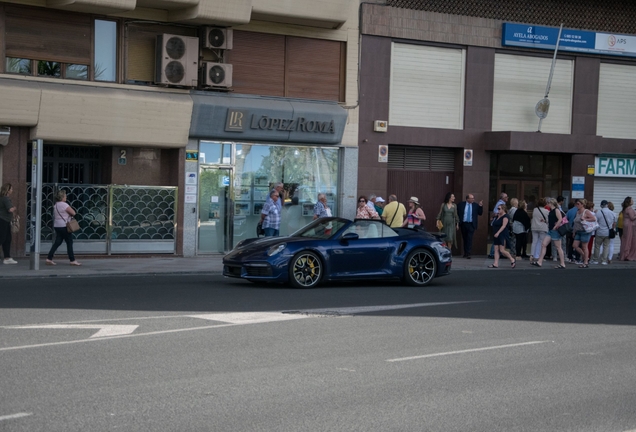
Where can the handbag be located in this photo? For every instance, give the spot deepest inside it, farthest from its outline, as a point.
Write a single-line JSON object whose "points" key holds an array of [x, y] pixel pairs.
{"points": [[439, 224], [259, 229], [15, 224], [564, 229], [589, 226], [72, 225], [612, 231]]}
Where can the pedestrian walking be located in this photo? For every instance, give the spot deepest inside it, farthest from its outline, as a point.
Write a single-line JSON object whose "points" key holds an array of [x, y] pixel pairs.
{"points": [[520, 228], [501, 237], [581, 236], [450, 220], [62, 214], [539, 227], [606, 222], [555, 220], [514, 204], [270, 215]]}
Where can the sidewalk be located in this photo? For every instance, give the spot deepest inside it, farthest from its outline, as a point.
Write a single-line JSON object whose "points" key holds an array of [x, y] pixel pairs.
{"points": [[212, 264]]}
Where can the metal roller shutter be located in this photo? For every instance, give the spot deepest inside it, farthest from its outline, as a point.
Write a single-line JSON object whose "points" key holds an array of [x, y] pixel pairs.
{"points": [[427, 87], [520, 83], [614, 190], [421, 159], [616, 101]]}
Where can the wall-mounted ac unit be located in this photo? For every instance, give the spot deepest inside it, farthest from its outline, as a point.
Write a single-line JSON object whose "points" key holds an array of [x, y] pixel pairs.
{"points": [[218, 38], [177, 60], [216, 75]]}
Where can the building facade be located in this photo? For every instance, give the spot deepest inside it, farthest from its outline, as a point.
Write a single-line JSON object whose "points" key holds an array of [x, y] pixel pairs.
{"points": [[168, 122], [449, 102]]}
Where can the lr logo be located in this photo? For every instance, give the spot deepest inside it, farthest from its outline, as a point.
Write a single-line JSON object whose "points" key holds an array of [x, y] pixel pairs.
{"points": [[235, 120]]}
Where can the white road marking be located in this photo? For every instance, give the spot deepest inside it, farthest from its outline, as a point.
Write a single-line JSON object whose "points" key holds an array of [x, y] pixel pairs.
{"points": [[15, 416], [230, 319], [248, 317], [467, 351], [105, 330], [366, 309]]}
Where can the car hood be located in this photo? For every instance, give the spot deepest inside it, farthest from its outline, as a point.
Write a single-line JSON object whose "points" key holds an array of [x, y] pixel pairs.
{"points": [[251, 246]]}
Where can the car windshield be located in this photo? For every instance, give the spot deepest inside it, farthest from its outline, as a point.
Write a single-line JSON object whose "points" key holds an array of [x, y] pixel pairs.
{"points": [[366, 228], [322, 228]]}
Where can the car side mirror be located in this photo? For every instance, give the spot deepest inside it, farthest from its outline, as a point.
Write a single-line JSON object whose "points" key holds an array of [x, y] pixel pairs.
{"points": [[350, 236]]}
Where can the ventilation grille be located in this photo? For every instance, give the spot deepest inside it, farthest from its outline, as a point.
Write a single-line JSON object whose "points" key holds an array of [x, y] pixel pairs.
{"points": [[618, 16], [421, 159]]}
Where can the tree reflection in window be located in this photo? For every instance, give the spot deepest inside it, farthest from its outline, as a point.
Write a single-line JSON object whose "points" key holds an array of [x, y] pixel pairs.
{"points": [[18, 65], [77, 71], [49, 68]]}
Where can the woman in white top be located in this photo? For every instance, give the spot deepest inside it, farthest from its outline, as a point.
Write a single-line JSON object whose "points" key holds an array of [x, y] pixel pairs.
{"points": [[62, 213]]}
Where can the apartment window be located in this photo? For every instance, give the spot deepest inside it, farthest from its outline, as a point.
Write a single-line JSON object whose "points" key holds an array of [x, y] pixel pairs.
{"points": [[49, 43], [105, 65]]}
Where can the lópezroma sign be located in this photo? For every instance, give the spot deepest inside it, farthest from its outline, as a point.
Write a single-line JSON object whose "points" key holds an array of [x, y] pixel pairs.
{"points": [[615, 166]]}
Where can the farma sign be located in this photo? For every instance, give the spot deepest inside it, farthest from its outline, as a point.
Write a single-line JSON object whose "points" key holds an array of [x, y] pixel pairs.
{"points": [[615, 166]]}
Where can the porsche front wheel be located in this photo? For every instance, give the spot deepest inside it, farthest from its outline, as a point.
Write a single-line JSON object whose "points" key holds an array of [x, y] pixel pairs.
{"points": [[420, 267], [305, 270]]}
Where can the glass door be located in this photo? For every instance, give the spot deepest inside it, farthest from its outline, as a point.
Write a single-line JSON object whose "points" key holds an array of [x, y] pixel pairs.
{"points": [[216, 215], [530, 191]]}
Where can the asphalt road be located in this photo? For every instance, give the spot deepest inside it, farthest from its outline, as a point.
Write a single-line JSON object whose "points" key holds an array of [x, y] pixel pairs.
{"points": [[487, 351]]}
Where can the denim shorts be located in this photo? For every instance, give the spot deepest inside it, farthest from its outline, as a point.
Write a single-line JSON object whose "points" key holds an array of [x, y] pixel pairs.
{"points": [[554, 235], [582, 236]]}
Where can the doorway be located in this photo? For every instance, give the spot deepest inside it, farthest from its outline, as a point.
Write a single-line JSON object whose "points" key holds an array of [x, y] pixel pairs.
{"points": [[216, 215], [530, 191]]}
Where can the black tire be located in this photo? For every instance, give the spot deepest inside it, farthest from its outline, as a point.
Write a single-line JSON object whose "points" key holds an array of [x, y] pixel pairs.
{"points": [[420, 267], [305, 270]]}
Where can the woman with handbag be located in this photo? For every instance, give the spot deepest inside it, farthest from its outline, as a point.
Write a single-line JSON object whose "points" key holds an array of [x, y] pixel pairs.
{"points": [[7, 213], [555, 220], [63, 215], [583, 228], [539, 226], [520, 228]]}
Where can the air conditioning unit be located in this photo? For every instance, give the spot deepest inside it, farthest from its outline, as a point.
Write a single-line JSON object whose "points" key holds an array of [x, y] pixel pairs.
{"points": [[177, 60], [216, 75], [218, 38]]}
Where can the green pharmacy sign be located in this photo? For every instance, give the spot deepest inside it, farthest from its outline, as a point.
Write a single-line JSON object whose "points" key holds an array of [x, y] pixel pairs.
{"points": [[615, 166]]}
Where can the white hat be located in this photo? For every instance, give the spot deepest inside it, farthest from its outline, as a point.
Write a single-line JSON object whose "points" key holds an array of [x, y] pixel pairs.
{"points": [[379, 199]]}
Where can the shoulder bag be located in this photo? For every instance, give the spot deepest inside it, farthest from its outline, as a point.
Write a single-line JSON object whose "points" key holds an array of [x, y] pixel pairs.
{"points": [[612, 231], [71, 225], [15, 224], [565, 228], [589, 226]]}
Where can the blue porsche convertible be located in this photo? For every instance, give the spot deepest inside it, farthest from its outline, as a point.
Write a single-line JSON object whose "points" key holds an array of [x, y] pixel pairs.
{"points": [[332, 249]]}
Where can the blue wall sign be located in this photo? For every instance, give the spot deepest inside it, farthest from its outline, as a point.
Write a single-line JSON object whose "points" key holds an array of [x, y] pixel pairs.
{"points": [[530, 36]]}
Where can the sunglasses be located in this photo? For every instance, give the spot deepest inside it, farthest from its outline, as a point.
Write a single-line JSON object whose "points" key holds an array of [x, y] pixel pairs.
{"points": [[362, 201]]}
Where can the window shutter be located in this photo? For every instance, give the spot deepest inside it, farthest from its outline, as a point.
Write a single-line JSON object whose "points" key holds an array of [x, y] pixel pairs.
{"points": [[313, 68], [142, 40], [258, 62], [49, 35]]}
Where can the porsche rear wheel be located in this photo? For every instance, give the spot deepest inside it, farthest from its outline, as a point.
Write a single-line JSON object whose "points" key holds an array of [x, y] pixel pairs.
{"points": [[305, 270], [420, 268]]}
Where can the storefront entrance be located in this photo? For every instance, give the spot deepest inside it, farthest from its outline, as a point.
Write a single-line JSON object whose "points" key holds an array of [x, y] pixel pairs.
{"points": [[529, 191], [216, 218]]}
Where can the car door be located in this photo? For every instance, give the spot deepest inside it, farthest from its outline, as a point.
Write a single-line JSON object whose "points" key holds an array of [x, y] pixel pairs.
{"points": [[366, 255]]}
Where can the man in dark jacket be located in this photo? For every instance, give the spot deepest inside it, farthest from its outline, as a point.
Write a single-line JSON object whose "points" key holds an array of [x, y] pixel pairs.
{"points": [[469, 212]]}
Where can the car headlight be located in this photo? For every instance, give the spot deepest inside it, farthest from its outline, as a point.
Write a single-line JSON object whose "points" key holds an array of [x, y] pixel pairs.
{"points": [[276, 249]]}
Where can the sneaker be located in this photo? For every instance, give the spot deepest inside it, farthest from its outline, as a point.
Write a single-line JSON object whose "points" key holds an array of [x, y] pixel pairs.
{"points": [[555, 259], [593, 262], [603, 263], [10, 261]]}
